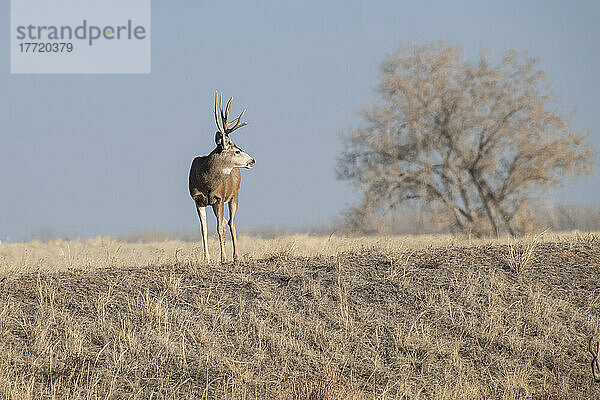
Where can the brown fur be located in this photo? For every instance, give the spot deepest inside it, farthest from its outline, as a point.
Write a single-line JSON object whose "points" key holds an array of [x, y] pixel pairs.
{"points": [[209, 185]]}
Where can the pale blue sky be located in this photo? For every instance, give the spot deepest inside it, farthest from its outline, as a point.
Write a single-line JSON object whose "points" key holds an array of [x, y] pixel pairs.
{"points": [[109, 154]]}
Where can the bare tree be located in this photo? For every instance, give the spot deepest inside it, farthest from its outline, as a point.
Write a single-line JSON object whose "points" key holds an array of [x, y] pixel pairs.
{"points": [[470, 141]]}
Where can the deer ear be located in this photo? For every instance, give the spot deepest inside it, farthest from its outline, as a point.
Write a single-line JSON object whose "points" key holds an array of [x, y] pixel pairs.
{"points": [[222, 140]]}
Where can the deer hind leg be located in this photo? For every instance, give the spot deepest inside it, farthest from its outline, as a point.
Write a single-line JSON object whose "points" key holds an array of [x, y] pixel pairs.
{"points": [[232, 210], [203, 226], [219, 213]]}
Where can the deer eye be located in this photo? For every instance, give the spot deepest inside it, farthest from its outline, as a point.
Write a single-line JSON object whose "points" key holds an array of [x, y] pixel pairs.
{"points": [[237, 152]]}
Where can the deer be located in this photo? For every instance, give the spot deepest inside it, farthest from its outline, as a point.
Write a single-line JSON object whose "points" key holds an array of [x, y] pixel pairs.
{"points": [[215, 179]]}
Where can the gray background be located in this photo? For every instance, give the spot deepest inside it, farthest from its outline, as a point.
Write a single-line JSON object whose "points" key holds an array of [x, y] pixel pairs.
{"points": [[109, 154]]}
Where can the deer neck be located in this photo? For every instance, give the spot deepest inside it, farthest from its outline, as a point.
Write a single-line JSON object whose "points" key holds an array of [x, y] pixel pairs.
{"points": [[218, 166]]}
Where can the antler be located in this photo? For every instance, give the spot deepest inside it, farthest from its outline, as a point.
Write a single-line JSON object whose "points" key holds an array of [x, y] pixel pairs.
{"points": [[221, 129], [595, 360], [226, 127]]}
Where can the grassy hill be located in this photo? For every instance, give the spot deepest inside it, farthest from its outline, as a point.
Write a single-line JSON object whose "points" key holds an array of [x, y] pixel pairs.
{"points": [[362, 318]]}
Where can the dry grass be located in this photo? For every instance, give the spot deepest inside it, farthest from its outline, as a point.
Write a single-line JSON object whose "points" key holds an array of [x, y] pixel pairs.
{"points": [[104, 252], [301, 318]]}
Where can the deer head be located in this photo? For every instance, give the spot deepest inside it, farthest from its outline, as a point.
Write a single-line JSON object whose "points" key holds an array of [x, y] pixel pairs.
{"points": [[225, 147]]}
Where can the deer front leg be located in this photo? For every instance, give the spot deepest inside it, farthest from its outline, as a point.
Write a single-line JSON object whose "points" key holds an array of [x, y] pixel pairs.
{"points": [[219, 213], [232, 210], [203, 226]]}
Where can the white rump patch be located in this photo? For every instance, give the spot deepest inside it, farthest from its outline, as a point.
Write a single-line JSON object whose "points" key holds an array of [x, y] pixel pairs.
{"points": [[227, 170]]}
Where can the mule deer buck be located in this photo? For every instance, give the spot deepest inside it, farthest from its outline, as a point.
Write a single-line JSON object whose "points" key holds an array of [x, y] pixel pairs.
{"points": [[215, 178]]}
